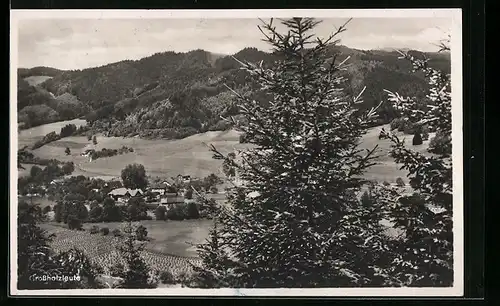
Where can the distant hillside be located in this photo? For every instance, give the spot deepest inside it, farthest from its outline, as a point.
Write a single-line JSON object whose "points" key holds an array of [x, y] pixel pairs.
{"points": [[37, 106], [173, 95], [37, 71]]}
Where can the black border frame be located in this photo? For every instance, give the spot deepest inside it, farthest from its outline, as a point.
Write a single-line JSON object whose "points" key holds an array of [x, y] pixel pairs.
{"points": [[473, 26]]}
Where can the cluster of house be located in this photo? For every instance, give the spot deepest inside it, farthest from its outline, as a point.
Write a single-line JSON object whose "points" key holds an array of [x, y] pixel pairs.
{"points": [[160, 195], [160, 192]]}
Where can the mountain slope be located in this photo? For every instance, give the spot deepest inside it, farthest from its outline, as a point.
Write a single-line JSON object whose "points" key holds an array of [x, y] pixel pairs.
{"points": [[38, 106], [173, 95]]}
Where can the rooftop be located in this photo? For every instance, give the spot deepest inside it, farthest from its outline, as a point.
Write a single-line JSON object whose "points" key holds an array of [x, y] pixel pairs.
{"points": [[124, 191]]}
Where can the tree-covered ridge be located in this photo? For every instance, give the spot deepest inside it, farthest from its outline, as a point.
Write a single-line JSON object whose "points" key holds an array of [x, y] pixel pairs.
{"points": [[37, 106], [173, 95], [37, 71]]}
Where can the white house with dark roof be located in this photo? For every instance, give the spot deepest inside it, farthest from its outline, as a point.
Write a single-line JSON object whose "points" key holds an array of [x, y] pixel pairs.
{"points": [[124, 193]]}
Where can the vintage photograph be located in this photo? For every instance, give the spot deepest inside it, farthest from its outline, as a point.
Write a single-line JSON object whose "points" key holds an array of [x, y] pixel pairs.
{"points": [[236, 152]]}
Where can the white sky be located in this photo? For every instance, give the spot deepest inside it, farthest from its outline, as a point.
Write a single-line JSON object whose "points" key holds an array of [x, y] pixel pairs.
{"points": [[82, 43]]}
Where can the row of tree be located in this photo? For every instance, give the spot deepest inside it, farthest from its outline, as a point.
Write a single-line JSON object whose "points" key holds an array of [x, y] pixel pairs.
{"points": [[66, 131], [110, 152], [43, 176]]}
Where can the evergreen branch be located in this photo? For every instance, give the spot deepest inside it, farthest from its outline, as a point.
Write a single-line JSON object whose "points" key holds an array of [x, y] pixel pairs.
{"points": [[363, 164], [359, 95]]}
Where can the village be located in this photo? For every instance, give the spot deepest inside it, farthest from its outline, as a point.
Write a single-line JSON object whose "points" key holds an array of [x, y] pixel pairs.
{"points": [[164, 193]]}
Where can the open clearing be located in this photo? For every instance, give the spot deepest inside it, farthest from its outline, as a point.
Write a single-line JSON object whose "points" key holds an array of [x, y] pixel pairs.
{"points": [[163, 158], [29, 136], [188, 156], [168, 237], [37, 79]]}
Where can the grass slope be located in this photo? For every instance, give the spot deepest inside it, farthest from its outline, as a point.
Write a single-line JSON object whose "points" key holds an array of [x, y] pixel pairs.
{"points": [[37, 79], [188, 156], [29, 136]]}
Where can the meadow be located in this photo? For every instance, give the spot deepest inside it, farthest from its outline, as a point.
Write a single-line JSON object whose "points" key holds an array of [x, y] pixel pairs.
{"points": [[29, 136], [37, 79], [168, 237], [188, 156]]}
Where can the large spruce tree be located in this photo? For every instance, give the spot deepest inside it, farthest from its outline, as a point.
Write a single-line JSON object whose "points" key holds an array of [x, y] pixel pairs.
{"points": [[294, 222]]}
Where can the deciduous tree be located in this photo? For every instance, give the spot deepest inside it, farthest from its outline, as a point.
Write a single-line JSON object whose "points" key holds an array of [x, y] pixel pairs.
{"points": [[134, 176]]}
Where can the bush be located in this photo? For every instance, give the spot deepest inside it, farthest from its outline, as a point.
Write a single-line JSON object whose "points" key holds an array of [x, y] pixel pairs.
{"points": [[68, 168], [35, 171], [401, 127], [116, 232], [104, 231], [160, 213], [417, 139], [183, 278], [117, 270], [167, 278], [396, 124], [242, 138], [94, 229], [58, 213], [176, 213], [192, 211], [400, 182], [386, 183], [68, 130], [74, 223], [141, 233]]}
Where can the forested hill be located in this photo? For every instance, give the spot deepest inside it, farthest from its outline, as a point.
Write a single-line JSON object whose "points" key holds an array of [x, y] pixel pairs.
{"points": [[173, 95]]}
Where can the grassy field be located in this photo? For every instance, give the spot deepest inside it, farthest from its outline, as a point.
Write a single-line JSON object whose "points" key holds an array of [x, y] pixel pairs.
{"points": [[188, 156], [37, 79], [29, 136], [169, 237], [164, 158]]}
